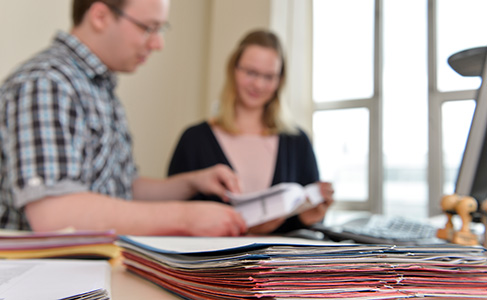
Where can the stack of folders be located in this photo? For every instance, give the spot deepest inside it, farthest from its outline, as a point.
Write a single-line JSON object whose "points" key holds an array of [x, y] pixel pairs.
{"points": [[285, 268], [80, 269], [63, 244]]}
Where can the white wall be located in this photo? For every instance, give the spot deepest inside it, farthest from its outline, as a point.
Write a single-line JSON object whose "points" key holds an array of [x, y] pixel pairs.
{"points": [[291, 20], [174, 88]]}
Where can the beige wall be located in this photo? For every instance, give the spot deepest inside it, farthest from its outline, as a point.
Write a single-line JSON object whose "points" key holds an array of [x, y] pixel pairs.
{"points": [[167, 93], [176, 86], [27, 26], [229, 21]]}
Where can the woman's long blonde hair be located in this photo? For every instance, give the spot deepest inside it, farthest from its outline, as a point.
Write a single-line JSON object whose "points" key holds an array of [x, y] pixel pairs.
{"points": [[274, 117]]}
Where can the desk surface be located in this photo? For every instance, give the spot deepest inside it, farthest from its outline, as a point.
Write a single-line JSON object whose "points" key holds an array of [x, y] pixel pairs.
{"points": [[126, 285]]}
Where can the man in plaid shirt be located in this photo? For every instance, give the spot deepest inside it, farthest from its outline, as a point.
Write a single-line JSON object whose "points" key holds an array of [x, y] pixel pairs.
{"points": [[65, 148]]}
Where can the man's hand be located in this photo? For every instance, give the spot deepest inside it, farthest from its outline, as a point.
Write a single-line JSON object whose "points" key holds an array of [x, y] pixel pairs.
{"points": [[216, 180], [91, 211], [207, 218]]}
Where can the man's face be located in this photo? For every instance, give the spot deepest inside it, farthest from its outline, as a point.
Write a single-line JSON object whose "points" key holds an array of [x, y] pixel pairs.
{"points": [[128, 42]]}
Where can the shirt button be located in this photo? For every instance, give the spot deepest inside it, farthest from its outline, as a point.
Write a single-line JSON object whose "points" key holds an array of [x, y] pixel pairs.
{"points": [[34, 181]]}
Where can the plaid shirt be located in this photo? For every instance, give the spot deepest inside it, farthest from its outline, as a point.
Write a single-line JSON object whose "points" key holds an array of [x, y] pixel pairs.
{"points": [[62, 130]]}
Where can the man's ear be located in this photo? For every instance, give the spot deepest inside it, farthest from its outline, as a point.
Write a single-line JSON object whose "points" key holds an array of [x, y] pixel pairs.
{"points": [[99, 16]]}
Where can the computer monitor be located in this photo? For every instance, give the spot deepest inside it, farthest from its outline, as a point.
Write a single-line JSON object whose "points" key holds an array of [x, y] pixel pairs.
{"points": [[472, 175]]}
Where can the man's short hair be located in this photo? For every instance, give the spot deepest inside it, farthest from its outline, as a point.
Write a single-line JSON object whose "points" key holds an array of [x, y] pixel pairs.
{"points": [[80, 7]]}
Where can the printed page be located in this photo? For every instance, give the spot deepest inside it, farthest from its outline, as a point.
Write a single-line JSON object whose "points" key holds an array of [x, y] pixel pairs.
{"points": [[266, 193], [53, 279], [281, 200]]}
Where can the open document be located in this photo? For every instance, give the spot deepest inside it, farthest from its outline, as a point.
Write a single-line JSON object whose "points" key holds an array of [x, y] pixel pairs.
{"points": [[48, 279], [281, 200]]}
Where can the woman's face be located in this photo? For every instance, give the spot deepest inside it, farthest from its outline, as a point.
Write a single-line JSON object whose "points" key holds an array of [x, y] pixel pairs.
{"points": [[257, 76]]}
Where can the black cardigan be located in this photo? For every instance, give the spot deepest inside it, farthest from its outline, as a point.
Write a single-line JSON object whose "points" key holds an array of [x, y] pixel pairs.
{"points": [[198, 148]]}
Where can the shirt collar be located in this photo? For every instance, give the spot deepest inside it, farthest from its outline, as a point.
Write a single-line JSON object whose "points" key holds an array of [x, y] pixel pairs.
{"points": [[85, 58]]}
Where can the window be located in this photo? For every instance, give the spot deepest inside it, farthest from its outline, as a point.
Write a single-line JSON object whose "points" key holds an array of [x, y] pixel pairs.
{"points": [[456, 119], [391, 117], [346, 158], [343, 92], [458, 27], [343, 57]]}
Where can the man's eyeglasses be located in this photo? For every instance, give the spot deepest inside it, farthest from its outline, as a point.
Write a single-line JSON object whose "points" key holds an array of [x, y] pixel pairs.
{"points": [[254, 75], [149, 30]]}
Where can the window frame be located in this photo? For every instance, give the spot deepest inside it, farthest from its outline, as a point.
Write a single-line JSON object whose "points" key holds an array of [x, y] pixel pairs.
{"points": [[436, 98], [374, 201]]}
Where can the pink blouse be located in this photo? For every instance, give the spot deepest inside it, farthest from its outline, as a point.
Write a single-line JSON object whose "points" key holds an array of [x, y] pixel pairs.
{"points": [[252, 156]]}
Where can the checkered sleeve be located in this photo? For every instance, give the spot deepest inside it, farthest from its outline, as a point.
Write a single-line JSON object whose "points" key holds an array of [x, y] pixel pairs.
{"points": [[45, 155]]}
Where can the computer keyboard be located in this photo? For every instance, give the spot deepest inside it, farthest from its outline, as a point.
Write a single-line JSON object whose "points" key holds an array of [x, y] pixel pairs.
{"points": [[396, 228], [381, 229]]}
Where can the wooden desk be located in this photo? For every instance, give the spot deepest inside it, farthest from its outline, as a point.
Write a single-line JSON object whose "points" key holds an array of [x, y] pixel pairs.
{"points": [[127, 286]]}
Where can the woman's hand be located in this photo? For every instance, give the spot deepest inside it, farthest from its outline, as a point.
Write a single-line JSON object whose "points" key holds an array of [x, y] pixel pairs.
{"points": [[267, 227], [317, 213], [216, 180]]}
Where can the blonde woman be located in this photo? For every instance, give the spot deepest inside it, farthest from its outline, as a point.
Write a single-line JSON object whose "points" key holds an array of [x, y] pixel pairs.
{"points": [[251, 134]]}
